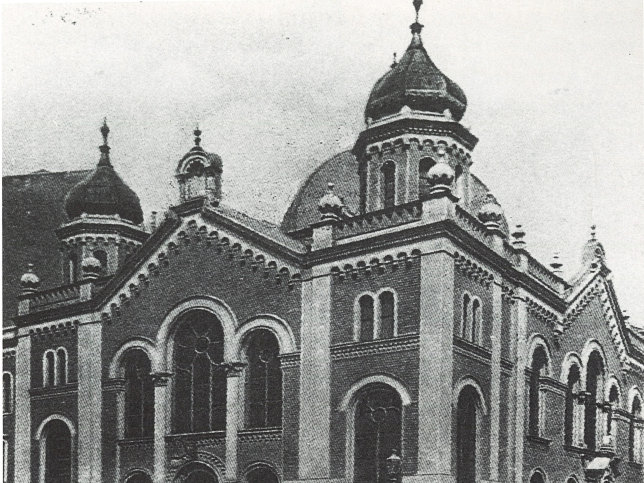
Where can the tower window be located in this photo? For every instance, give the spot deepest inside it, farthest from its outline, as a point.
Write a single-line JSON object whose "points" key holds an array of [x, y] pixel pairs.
{"points": [[7, 392], [61, 366], [389, 184], [72, 265], [49, 369], [476, 321], [366, 317], [387, 315]]}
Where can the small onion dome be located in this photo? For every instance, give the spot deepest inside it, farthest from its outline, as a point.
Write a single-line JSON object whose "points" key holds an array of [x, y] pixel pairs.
{"points": [[416, 82], [491, 213], [103, 192], [91, 267], [330, 205], [29, 280]]}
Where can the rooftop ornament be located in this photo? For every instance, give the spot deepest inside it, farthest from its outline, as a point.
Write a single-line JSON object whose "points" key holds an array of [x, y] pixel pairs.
{"points": [[330, 205], [518, 236], [491, 213], [440, 177], [30, 282]]}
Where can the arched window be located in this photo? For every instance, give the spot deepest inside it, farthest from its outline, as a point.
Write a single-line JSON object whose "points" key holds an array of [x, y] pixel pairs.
{"points": [[387, 315], [7, 392], [594, 395], [378, 431], [101, 256], [536, 406], [49, 368], [366, 317], [537, 477], [58, 452], [61, 366], [200, 383], [476, 321], [139, 477], [613, 404], [465, 319], [261, 474], [72, 265], [389, 184], [196, 473], [573, 424], [263, 381], [424, 166], [139, 395], [466, 435], [637, 432]]}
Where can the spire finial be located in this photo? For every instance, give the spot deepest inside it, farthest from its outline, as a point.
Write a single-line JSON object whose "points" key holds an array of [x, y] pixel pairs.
{"points": [[416, 27], [593, 232], [417, 5], [197, 133], [105, 149]]}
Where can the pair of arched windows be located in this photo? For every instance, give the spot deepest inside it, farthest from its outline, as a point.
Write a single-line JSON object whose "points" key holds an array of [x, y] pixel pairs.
{"points": [[471, 319], [55, 367], [7, 392], [376, 316], [199, 396]]}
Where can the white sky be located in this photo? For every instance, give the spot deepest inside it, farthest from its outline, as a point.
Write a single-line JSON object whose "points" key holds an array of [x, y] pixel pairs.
{"points": [[555, 93]]}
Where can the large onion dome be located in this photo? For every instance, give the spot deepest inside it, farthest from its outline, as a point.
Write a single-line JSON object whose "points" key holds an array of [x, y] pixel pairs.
{"points": [[103, 192], [417, 83]]}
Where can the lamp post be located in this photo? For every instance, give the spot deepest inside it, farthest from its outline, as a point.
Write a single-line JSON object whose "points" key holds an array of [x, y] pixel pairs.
{"points": [[394, 467]]}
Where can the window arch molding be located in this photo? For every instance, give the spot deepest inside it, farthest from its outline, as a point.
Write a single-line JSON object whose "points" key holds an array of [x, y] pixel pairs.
{"points": [[538, 472], [572, 479], [349, 404], [634, 392], [139, 343], [278, 327], [592, 345], [136, 472], [469, 381], [570, 359], [612, 381], [171, 321], [536, 341], [261, 465], [41, 437]]}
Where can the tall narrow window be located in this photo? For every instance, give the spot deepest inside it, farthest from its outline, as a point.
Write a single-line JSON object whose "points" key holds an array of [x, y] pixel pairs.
{"points": [[636, 431], [466, 434], [7, 392], [465, 320], [366, 317], [387, 315], [49, 368], [72, 265], [263, 381], [61, 366], [613, 404], [389, 184], [58, 452], [200, 383], [476, 321], [594, 393], [573, 422], [536, 403], [139, 396], [378, 430]]}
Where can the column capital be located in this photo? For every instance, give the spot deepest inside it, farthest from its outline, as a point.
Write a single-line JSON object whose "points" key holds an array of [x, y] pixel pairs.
{"points": [[116, 384], [161, 379], [233, 368]]}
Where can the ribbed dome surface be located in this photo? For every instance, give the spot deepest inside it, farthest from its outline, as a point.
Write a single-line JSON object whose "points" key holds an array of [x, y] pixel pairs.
{"points": [[415, 82], [103, 192]]}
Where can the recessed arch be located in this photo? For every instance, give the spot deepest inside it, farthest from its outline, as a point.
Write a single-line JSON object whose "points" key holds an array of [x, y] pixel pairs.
{"points": [[398, 386], [536, 341], [209, 304], [137, 343], [570, 359], [52, 417], [537, 475], [261, 472], [467, 381], [611, 382], [280, 328], [592, 345]]}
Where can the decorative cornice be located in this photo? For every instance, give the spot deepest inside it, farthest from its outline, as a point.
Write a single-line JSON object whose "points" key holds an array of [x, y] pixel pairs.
{"points": [[375, 266], [353, 350], [260, 435], [473, 270], [57, 328], [543, 313], [289, 360]]}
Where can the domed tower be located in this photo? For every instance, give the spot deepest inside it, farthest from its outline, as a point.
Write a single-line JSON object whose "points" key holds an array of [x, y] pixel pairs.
{"points": [[412, 123], [199, 173], [105, 220]]}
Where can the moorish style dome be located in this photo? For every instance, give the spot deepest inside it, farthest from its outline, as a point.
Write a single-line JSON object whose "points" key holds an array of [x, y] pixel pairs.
{"points": [[417, 83], [103, 192]]}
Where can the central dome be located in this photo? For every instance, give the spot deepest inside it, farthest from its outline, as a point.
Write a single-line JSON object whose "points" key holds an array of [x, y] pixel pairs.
{"points": [[417, 83], [103, 192]]}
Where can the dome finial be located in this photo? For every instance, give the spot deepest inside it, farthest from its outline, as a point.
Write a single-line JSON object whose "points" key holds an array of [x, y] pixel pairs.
{"points": [[416, 27], [105, 149], [593, 232], [417, 5], [197, 133]]}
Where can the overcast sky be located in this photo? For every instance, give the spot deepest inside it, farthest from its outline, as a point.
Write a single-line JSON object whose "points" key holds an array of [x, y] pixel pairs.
{"points": [[555, 92]]}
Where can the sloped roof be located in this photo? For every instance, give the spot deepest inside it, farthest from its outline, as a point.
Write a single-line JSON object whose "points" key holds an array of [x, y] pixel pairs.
{"points": [[32, 209]]}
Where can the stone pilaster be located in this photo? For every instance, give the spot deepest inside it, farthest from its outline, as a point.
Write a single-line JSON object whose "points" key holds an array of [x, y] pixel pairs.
{"points": [[495, 384], [234, 414], [22, 450], [315, 376], [520, 321], [436, 359], [162, 405], [90, 400]]}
